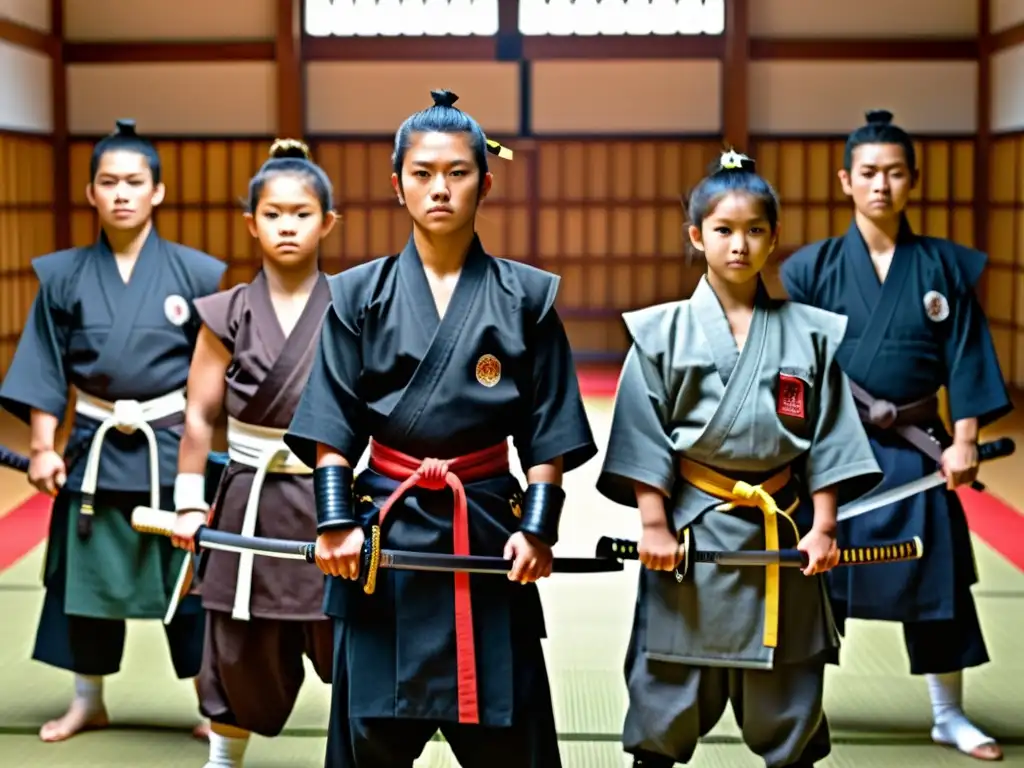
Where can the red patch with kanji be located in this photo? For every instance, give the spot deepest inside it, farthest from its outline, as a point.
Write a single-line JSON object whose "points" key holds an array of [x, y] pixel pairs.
{"points": [[791, 396]]}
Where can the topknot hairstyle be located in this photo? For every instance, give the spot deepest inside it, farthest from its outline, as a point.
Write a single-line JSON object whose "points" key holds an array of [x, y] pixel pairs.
{"points": [[879, 130], [733, 172], [444, 117], [291, 156], [124, 138]]}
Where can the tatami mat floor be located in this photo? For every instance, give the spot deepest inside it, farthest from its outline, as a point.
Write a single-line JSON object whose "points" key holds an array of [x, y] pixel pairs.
{"points": [[880, 715]]}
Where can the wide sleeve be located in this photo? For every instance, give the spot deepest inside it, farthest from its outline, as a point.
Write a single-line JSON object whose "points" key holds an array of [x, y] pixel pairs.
{"points": [[556, 423], [639, 447], [220, 312], [330, 410], [205, 271], [840, 455], [975, 383], [797, 274], [36, 378]]}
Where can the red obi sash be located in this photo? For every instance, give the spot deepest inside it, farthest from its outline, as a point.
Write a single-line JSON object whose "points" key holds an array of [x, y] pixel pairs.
{"points": [[435, 475]]}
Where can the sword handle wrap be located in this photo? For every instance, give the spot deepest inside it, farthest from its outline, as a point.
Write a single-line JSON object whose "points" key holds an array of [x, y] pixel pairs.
{"points": [[332, 487], [996, 449], [149, 520], [911, 549], [15, 461], [542, 510]]}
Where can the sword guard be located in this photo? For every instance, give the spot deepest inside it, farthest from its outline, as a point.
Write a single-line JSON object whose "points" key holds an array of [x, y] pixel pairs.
{"points": [[687, 548], [609, 548], [369, 561]]}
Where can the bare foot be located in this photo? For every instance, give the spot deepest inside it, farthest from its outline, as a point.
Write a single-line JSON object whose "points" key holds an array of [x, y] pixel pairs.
{"points": [[202, 731], [990, 751], [78, 718]]}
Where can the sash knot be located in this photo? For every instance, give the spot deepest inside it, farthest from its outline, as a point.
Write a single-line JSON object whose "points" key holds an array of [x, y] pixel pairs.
{"points": [[433, 474], [128, 415]]}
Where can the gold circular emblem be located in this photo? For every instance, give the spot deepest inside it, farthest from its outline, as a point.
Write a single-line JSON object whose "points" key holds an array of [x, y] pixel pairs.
{"points": [[488, 370]]}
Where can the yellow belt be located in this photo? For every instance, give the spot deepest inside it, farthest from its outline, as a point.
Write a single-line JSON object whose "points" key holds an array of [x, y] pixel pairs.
{"points": [[737, 493]]}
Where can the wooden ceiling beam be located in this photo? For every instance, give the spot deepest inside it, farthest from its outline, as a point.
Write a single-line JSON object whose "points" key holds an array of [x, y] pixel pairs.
{"points": [[28, 37], [428, 48], [167, 52]]}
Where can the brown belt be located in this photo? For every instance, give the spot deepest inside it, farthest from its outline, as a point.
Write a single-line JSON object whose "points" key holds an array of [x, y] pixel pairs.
{"points": [[904, 420]]}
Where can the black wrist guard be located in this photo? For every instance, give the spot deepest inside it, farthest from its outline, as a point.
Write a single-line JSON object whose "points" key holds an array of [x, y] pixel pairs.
{"points": [[333, 489], [542, 509]]}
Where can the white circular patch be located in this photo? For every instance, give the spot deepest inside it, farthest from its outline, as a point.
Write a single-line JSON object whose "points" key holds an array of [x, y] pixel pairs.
{"points": [[176, 310], [936, 306]]}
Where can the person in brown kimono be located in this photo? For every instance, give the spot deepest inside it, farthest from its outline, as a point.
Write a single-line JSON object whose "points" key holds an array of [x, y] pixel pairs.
{"points": [[253, 357]]}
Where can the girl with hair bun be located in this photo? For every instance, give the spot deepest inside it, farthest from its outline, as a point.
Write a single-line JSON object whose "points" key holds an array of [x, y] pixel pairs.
{"points": [[434, 357], [734, 429], [256, 347], [112, 324]]}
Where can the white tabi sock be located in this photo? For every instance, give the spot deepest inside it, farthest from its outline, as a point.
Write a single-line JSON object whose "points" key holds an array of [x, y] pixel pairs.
{"points": [[226, 752], [89, 691], [951, 725]]}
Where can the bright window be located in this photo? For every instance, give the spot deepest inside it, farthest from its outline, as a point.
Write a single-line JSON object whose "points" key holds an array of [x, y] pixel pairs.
{"points": [[622, 17], [391, 18]]}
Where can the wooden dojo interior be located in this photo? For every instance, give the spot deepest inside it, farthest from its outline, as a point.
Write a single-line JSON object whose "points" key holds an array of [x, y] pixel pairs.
{"points": [[608, 131]]}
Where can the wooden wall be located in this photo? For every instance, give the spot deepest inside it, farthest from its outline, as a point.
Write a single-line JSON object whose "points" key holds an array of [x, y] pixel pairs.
{"points": [[1004, 288], [594, 191], [1003, 206], [26, 227]]}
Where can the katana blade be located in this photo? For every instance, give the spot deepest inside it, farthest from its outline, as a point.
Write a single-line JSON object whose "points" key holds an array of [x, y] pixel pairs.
{"points": [[996, 449], [161, 522], [426, 561], [891, 496]]}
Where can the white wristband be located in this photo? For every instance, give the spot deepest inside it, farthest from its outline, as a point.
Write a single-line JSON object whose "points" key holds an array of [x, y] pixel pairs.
{"points": [[190, 493]]}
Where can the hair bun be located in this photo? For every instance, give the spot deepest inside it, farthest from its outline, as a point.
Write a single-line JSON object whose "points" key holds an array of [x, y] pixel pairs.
{"points": [[290, 148], [878, 117], [734, 161], [444, 98], [124, 128]]}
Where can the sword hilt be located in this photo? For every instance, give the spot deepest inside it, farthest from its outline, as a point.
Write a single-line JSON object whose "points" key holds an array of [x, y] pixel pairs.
{"points": [[161, 523], [157, 521], [13, 460], [892, 552], [996, 449]]}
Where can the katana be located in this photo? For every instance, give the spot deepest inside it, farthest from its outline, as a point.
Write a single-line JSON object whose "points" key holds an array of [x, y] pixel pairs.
{"points": [[13, 460], [148, 520], [892, 552], [996, 449]]}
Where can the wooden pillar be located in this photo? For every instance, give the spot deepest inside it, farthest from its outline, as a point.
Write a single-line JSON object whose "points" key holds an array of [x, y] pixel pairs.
{"points": [[983, 135], [291, 97], [735, 62], [61, 149]]}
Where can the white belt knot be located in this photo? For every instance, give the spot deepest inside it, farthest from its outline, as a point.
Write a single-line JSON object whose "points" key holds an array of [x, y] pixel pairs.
{"points": [[127, 416]]}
